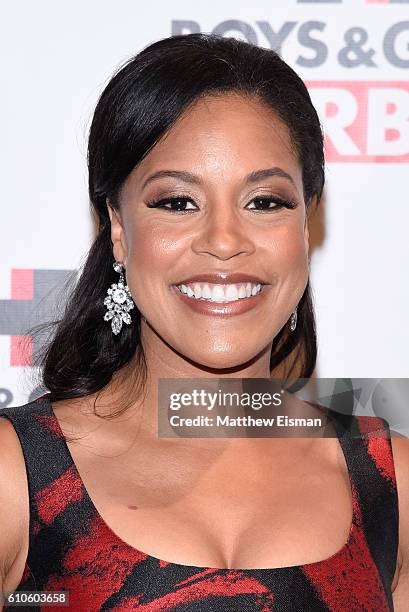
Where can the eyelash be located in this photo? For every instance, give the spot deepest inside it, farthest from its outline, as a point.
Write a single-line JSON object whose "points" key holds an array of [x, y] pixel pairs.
{"points": [[280, 203]]}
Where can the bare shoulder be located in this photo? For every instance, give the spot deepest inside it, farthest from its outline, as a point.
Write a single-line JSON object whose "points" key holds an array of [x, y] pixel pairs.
{"points": [[14, 504], [400, 450]]}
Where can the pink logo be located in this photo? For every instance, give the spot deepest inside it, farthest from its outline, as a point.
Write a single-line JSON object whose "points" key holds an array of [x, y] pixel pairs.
{"points": [[21, 349], [35, 296], [364, 121]]}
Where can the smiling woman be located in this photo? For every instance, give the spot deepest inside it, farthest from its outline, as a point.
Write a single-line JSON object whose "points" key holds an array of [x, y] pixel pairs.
{"points": [[205, 159], [230, 216]]}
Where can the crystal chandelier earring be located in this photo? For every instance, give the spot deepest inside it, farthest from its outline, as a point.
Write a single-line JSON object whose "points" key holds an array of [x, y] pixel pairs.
{"points": [[118, 301], [293, 320]]}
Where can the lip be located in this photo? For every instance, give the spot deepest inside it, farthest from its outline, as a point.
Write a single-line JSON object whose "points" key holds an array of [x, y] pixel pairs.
{"points": [[226, 309], [222, 278]]}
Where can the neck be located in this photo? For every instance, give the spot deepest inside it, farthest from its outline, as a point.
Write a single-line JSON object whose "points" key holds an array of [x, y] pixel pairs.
{"points": [[164, 362]]}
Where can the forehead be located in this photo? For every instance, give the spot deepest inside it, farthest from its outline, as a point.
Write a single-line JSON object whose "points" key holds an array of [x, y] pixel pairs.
{"points": [[224, 133]]}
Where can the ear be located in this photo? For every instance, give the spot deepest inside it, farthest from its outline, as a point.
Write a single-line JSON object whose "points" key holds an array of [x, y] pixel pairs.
{"points": [[306, 234], [118, 239], [306, 227]]}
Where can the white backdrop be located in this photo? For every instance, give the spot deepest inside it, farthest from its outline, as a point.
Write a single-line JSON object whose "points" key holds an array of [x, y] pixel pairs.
{"points": [[353, 54]]}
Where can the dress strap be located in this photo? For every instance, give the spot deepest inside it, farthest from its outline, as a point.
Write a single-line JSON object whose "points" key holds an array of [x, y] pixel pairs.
{"points": [[366, 442], [56, 495]]}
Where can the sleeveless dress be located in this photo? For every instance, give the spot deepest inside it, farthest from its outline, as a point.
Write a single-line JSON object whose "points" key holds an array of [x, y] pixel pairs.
{"points": [[71, 548]]}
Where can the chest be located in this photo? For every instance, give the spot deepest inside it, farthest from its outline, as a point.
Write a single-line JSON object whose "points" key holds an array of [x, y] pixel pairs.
{"points": [[246, 512]]}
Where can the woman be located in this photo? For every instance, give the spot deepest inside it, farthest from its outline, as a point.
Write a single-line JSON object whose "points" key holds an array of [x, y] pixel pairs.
{"points": [[205, 159]]}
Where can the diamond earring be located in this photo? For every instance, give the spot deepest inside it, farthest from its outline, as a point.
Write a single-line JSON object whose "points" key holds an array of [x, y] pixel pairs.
{"points": [[118, 301], [293, 320]]}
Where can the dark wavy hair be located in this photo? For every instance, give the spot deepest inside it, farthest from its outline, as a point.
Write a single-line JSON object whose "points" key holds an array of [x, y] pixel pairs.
{"points": [[141, 102]]}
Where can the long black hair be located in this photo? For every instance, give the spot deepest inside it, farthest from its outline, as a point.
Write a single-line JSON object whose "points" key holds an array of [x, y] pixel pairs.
{"points": [[141, 102]]}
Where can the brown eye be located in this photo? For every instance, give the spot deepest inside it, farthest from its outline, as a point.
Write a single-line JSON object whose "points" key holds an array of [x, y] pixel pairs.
{"points": [[176, 204], [268, 203]]}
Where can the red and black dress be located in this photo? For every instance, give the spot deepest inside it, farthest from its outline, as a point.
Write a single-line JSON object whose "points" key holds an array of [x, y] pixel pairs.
{"points": [[71, 548]]}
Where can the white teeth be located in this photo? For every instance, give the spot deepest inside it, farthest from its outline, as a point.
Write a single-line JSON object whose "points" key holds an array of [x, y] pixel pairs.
{"points": [[242, 291], [231, 293], [220, 293], [206, 293], [198, 290]]}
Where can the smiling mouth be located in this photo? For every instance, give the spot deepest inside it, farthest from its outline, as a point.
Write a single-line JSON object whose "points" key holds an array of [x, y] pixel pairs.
{"points": [[218, 293]]}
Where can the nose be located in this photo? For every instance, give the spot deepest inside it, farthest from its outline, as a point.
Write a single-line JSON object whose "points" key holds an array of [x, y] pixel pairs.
{"points": [[223, 233]]}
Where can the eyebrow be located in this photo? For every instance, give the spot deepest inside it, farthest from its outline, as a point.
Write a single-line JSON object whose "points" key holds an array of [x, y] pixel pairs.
{"points": [[189, 177]]}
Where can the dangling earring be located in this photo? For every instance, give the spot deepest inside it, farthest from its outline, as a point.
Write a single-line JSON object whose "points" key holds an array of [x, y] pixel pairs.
{"points": [[118, 302], [293, 320]]}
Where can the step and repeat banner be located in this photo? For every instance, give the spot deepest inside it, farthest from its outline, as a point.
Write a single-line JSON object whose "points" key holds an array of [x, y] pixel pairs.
{"points": [[354, 56]]}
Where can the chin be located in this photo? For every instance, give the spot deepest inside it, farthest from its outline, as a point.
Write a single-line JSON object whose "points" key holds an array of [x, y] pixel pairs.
{"points": [[222, 361]]}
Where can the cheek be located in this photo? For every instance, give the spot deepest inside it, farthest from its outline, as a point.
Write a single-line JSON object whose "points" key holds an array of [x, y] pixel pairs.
{"points": [[286, 246], [152, 254], [151, 248], [287, 254]]}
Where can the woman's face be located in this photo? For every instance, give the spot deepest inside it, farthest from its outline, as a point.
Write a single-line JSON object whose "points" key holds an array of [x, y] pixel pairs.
{"points": [[231, 202]]}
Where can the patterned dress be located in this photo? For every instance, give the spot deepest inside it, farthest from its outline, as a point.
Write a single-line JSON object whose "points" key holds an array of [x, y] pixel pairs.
{"points": [[71, 548]]}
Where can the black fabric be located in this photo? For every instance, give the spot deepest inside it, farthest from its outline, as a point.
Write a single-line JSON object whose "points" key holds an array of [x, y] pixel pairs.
{"points": [[71, 547]]}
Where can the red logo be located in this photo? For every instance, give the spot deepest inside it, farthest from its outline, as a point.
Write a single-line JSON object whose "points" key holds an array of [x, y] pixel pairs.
{"points": [[364, 121], [21, 349], [35, 296]]}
